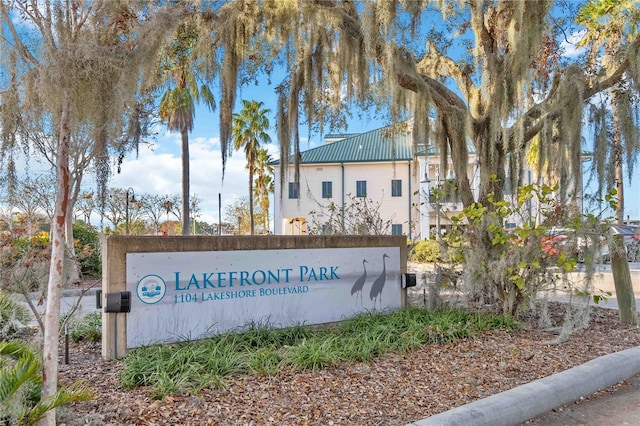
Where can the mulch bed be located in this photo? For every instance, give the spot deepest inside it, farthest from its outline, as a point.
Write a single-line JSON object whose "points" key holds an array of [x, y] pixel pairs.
{"points": [[392, 390]]}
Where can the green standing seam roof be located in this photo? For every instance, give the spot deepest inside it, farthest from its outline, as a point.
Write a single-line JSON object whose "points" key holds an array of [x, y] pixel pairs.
{"points": [[378, 145]]}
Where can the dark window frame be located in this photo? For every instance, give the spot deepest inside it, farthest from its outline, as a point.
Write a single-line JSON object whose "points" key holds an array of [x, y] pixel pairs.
{"points": [[361, 188], [396, 187], [327, 189], [294, 190]]}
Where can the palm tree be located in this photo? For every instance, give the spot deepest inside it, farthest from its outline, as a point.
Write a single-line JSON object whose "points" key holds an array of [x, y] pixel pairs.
{"points": [[263, 184], [249, 130], [177, 107]]}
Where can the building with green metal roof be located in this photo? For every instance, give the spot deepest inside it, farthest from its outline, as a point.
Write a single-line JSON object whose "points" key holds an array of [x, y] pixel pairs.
{"points": [[368, 183]]}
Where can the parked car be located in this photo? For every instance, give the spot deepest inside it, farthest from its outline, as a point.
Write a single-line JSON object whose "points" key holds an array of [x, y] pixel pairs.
{"points": [[585, 243], [555, 240], [581, 245], [631, 236]]}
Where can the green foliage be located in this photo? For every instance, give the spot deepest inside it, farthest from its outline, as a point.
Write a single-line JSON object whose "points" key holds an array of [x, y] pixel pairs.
{"points": [[430, 251], [511, 266], [314, 353], [87, 248], [20, 383], [13, 317], [264, 350], [87, 328], [426, 251]]}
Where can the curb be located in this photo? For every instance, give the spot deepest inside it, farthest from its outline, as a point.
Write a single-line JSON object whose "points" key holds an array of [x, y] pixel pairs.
{"points": [[531, 400]]}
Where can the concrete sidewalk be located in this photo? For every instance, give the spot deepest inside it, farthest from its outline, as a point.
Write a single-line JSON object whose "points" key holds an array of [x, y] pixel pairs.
{"points": [[621, 406]]}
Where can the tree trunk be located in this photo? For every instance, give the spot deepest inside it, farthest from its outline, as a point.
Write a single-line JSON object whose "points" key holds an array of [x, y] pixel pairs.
{"points": [[56, 269], [186, 226], [617, 160], [251, 221], [73, 269], [622, 281]]}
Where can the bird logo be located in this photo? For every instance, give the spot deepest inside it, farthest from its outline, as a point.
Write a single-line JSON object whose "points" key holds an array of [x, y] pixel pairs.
{"points": [[359, 284], [376, 288]]}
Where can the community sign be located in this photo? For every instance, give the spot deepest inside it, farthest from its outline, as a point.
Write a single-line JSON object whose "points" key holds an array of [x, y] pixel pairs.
{"points": [[177, 296]]}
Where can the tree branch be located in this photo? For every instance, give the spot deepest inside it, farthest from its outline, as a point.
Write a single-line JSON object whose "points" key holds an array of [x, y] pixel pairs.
{"points": [[432, 64]]}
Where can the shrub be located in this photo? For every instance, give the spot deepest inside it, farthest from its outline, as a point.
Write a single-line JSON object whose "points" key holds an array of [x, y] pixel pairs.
{"points": [[512, 266], [87, 328], [24, 262], [20, 385], [13, 317], [87, 248], [426, 251]]}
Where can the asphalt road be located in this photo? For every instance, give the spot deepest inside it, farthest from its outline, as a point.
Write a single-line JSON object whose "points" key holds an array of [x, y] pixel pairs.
{"points": [[620, 406], [71, 298]]}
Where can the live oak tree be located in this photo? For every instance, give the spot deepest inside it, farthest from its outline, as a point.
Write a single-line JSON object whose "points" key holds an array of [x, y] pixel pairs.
{"points": [[615, 116], [490, 73]]}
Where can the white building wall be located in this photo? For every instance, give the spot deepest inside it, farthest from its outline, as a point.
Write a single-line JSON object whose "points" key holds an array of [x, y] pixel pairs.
{"points": [[289, 213], [292, 216]]}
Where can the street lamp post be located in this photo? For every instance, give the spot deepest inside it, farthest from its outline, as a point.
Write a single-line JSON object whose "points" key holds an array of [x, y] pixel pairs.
{"points": [[438, 189], [128, 197], [425, 206], [584, 157]]}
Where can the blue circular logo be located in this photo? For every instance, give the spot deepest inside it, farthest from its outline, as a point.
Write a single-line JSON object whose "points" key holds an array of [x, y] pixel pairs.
{"points": [[151, 289]]}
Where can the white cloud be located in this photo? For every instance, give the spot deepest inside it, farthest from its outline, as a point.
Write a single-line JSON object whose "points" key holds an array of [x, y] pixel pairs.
{"points": [[569, 46], [155, 172]]}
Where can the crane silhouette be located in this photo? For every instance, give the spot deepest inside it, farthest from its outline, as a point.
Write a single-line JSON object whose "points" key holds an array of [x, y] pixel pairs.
{"points": [[359, 284], [376, 288]]}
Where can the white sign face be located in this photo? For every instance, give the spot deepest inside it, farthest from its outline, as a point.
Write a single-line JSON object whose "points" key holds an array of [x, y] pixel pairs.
{"points": [[181, 296]]}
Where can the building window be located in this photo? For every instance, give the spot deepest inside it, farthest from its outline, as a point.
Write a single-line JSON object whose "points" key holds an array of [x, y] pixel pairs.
{"points": [[327, 190], [293, 190], [396, 229], [361, 188], [396, 188]]}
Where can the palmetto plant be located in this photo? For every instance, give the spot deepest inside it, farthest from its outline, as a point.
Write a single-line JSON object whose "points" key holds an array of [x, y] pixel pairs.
{"points": [[20, 385]]}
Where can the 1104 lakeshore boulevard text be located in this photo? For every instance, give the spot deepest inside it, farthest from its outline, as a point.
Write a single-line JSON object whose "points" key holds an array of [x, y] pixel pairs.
{"points": [[238, 294]]}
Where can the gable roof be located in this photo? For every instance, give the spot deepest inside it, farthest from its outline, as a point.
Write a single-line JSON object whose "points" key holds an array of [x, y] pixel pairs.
{"points": [[380, 145], [373, 146]]}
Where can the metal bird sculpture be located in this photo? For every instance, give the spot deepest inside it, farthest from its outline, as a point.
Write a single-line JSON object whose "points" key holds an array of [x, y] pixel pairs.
{"points": [[359, 284], [376, 288]]}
